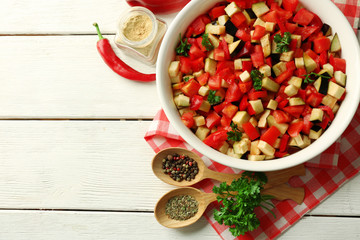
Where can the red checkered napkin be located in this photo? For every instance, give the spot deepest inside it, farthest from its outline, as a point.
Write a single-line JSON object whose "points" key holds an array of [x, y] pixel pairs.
{"points": [[325, 173]]}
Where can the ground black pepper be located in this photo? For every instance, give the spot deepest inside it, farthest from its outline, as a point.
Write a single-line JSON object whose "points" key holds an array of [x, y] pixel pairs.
{"points": [[181, 207], [180, 167]]}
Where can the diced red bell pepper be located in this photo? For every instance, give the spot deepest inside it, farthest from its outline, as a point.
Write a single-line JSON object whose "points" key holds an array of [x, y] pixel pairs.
{"points": [[291, 65], [321, 44], [230, 110], [311, 54], [227, 74], [323, 58], [191, 88], [189, 32], [306, 31], [195, 52], [217, 12], [328, 111], [214, 82], [241, 3], [295, 111], [219, 54], [291, 27], [254, 95], [187, 119], [282, 14], [247, 66], [307, 124], [238, 19], [270, 17], [281, 117], [339, 64], [290, 5], [281, 25], [316, 21], [199, 44], [301, 94], [216, 139], [299, 53], [243, 103], [251, 131], [284, 143], [246, 50], [307, 111], [314, 99], [197, 64], [212, 120], [225, 64], [284, 76], [271, 135], [303, 17], [203, 78], [243, 35], [219, 107], [233, 93], [195, 102], [225, 121], [185, 65], [280, 154], [257, 59], [295, 128], [283, 103], [224, 46], [245, 86], [198, 25], [259, 32], [269, 61], [293, 45], [250, 110], [325, 121]]}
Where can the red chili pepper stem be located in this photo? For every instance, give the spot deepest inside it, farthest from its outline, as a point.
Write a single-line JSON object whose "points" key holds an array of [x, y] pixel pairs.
{"points": [[98, 31]]}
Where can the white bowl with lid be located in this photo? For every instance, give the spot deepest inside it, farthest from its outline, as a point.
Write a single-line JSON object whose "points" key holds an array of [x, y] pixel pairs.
{"points": [[329, 14]]}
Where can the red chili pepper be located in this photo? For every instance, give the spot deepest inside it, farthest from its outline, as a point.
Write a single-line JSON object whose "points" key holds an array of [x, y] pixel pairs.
{"points": [[116, 64]]}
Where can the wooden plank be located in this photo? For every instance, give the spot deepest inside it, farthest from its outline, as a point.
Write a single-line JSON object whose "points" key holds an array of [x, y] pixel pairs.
{"points": [[96, 165], [65, 77], [62, 16], [109, 225]]}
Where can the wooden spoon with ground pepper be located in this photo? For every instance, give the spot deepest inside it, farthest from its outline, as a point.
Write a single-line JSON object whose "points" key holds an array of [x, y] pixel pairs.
{"points": [[274, 178]]}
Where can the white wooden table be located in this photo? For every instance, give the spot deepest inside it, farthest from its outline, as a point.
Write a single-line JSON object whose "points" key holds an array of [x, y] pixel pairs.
{"points": [[73, 161]]}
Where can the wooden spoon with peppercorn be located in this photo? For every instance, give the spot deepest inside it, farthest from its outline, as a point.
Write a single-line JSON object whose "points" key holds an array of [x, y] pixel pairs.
{"points": [[182, 214], [181, 167]]}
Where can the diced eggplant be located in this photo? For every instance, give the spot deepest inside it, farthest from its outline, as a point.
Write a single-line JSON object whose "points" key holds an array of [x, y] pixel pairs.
{"points": [[279, 68], [214, 40], [316, 115], [283, 127], [251, 13], [210, 66], [256, 157], [291, 90], [275, 58], [242, 146], [231, 9], [322, 85], [230, 28], [245, 76], [329, 68], [296, 101], [265, 70], [223, 19], [287, 56], [329, 101], [315, 132], [257, 106], [241, 117], [235, 47], [266, 45], [335, 44], [230, 152], [270, 26], [266, 148], [259, 22], [260, 8], [296, 81], [182, 101], [202, 132], [272, 104], [215, 29], [204, 91], [326, 30], [205, 106], [335, 90], [299, 63], [310, 64], [340, 78], [270, 85], [262, 123]]}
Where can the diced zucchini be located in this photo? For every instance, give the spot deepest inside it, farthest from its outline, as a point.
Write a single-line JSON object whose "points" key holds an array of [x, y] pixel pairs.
{"points": [[329, 101], [231, 9], [215, 29], [265, 44], [205, 106], [223, 19], [270, 26], [316, 115], [329, 68], [238, 64], [259, 22], [256, 157], [266, 148], [174, 68], [204, 91], [260, 8], [242, 146], [296, 101], [199, 120], [245, 76], [340, 78], [281, 126], [310, 64], [335, 90], [279, 68], [241, 117], [202, 132], [262, 123], [210, 66], [287, 56], [270, 85], [335, 44], [257, 106], [230, 152], [291, 90], [182, 101], [296, 81], [272, 104], [299, 63]]}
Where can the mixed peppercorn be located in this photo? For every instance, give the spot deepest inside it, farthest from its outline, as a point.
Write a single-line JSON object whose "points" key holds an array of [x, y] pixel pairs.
{"points": [[180, 167]]}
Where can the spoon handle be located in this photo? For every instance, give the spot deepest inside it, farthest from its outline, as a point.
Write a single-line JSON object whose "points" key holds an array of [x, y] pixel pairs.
{"points": [[219, 176], [284, 191], [282, 176]]}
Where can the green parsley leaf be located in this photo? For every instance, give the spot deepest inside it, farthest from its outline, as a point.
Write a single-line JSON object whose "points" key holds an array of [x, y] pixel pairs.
{"points": [[257, 77], [238, 201], [308, 78], [206, 42], [183, 48], [186, 79], [235, 134], [282, 43], [212, 99]]}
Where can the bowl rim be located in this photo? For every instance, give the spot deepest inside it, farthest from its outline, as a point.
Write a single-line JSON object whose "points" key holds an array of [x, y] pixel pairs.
{"points": [[330, 136]]}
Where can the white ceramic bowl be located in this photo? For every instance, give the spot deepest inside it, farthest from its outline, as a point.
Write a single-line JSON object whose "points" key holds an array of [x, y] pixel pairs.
{"points": [[331, 15]]}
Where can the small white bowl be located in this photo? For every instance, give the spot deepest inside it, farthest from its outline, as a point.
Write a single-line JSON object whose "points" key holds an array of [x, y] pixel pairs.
{"points": [[329, 14]]}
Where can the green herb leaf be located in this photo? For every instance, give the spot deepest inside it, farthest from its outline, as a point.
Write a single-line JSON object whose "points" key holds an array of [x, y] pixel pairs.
{"points": [[257, 76], [238, 201], [183, 48], [186, 79], [235, 134], [212, 99], [308, 78], [282, 43], [206, 42]]}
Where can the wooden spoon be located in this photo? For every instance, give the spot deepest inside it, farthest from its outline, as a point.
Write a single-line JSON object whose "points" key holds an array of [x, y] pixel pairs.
{"points": [[280, 192], [274, 178]]}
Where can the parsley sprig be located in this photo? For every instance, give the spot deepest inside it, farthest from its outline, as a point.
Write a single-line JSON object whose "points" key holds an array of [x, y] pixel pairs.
{"points": [[238, 201], [206, 42], [235, 134], [282, 43], [212, 98], [308, 78], [183, 48], [186, 79], [257, 77]]}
